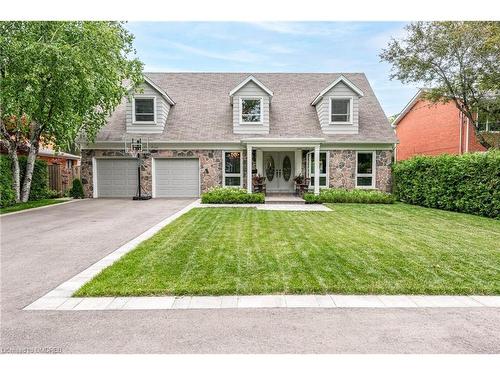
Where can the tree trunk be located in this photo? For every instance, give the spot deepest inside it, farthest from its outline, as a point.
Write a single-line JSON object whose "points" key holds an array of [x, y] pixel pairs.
{"points": [[28, 174], [16, 184]]}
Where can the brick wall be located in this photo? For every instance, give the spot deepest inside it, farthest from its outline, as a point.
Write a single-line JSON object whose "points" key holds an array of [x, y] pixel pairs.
{"points": [[433, 129]]}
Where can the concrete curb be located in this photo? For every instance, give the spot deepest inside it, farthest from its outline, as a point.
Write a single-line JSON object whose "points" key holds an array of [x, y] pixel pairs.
{"points": [[42, 207], [52, 301]]}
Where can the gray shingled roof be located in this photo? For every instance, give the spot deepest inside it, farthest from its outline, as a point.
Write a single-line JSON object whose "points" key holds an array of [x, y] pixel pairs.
{"points": [[203, 111]]}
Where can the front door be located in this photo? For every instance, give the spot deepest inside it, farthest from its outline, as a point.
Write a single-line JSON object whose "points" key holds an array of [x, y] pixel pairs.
{"points": [[278, 170]]}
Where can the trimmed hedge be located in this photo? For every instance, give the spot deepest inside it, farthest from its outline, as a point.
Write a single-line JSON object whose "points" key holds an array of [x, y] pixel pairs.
{"points": [[7, 194], [468, 183], [349, 196], [40, 180], [231, 195], [39, 184]]}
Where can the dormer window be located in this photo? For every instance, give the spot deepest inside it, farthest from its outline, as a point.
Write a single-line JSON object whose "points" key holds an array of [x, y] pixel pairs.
{"points": [[144, 110], [251, 111], [341, 110]]}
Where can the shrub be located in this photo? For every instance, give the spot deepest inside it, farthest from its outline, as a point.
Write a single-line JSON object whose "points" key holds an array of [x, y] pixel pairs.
{"points": [[231, 195], [52, 194], [466, 183], [76, 190], [349, 196], [7, 194]]}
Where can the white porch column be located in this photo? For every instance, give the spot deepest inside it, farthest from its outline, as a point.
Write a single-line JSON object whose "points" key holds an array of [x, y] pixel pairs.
{"points": [[249, 168], [316, 169], [298, 162], [258, 160]]}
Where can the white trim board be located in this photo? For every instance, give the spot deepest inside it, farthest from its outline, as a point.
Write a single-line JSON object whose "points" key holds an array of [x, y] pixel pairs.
{"points": [[248, 79]]}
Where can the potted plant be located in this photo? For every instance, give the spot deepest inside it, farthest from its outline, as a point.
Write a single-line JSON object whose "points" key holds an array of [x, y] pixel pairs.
{"points": [[299, 179], [258, 179]]}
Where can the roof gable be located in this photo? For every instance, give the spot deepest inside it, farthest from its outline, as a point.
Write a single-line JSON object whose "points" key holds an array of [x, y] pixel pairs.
{"points": [[254, 80], [408, 107], [342, 79], [162, 92]]}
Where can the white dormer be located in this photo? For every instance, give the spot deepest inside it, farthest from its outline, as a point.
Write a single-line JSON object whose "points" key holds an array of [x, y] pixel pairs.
{"points": [[148, 109], [337, 107], [251, 101]]}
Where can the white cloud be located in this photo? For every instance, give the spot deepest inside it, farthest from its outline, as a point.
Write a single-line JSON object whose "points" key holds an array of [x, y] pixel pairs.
{"points": [[380, 40], [309, 28], [241, 56]]}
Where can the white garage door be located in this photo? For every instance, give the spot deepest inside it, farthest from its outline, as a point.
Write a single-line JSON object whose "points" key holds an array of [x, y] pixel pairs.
{"points": [[116, 178], [177, 178]]}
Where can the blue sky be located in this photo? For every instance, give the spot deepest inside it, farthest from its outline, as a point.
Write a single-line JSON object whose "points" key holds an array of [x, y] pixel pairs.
{"points": [[274, 47]]}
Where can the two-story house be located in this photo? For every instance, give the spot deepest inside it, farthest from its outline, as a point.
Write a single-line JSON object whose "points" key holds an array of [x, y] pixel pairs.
{"points": [[220, 129], [426, 128]]}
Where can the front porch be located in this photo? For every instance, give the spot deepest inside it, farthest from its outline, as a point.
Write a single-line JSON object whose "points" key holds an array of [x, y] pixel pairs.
{"points": [[279, 161]]}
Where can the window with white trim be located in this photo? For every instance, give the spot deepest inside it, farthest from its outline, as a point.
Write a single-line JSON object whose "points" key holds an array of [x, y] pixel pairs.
{"points": [[365, 169], [144, 109], [251, 110], [233, 168], [323, 168], [340, 110]]}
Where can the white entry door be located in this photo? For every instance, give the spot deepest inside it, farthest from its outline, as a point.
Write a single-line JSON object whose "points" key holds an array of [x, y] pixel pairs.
{"points": [[279, 171]]}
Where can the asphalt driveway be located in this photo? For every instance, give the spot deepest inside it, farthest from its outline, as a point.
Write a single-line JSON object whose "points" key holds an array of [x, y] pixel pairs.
{"points": [[43, 248]]}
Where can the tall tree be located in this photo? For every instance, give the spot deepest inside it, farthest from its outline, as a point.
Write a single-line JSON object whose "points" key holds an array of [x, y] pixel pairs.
{"points": [[457, 61], [58, 81]]}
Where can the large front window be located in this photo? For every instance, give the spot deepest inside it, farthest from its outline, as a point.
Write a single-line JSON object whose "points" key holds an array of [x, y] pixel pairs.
{"points": [[323, 168], [232, 169], [365, 170], [340, 110], [251, 110], [144, 110]]}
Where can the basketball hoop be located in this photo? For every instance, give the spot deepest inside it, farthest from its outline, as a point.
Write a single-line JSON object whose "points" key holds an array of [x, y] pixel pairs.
{"points": [[138, 150], [136, 147]]}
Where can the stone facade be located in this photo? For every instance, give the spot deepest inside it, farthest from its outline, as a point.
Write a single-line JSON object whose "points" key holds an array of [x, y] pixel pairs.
{"points": [[210, 166], [343, 169], [384, 171]]}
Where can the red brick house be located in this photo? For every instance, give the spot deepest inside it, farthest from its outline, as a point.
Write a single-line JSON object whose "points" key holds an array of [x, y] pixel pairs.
{"points": [[425, 128]]}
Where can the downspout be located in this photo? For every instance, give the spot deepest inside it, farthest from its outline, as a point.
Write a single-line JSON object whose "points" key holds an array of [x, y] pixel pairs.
{"points": [[461, 125], [467, 136]]}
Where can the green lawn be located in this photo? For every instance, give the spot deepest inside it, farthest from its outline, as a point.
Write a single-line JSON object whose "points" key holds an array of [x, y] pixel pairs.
{"points": [[356, 248], [32, 204]]}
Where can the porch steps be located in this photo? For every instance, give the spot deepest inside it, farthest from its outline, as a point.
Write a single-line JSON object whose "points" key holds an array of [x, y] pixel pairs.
{"points": [[283, 199]]}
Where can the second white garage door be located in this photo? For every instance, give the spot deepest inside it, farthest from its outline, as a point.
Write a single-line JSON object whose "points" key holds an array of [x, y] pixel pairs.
{"points": [[177, 178]]}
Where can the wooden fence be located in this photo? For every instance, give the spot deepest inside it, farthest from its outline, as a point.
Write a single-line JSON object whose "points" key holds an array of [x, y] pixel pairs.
{"points": [[61, 178]]}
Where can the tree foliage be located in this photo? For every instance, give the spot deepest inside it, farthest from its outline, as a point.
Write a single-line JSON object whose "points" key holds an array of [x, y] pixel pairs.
{"points": [[457, 61], [59, 81]]}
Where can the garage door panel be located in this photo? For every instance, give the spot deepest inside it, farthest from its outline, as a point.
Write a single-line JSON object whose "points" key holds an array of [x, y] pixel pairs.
{"points": [[116, 178], [177, 177]]}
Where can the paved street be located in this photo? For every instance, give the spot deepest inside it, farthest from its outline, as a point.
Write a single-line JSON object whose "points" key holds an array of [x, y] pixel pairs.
{"points": [[43, 248]]}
